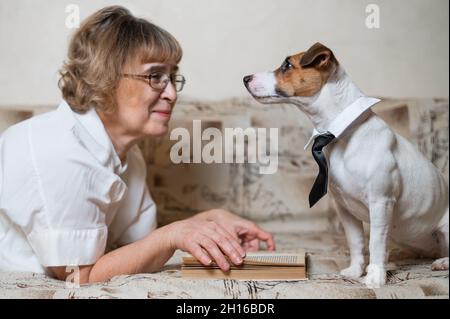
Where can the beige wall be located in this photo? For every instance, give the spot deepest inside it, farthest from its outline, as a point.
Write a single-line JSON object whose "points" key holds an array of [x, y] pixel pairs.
{"points": [[224, 40]]}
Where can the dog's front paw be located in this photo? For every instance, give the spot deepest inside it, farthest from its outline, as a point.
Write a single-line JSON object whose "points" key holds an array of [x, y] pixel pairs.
{"points": [[376, 276], [440, 264], [354, 271]]}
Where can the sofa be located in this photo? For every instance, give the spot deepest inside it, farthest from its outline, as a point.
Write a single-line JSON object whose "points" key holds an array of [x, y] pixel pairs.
{"points": [[278, 202]]}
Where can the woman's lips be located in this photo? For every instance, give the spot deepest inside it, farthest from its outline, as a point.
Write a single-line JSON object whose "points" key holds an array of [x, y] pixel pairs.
{"points": [[162, 113]]}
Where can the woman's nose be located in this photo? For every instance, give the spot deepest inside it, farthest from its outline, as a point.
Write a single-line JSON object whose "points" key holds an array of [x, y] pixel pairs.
{"points": [[169, 92]]}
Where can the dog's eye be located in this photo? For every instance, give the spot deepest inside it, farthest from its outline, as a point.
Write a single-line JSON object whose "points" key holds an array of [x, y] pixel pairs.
{"points": [[286, 66]]}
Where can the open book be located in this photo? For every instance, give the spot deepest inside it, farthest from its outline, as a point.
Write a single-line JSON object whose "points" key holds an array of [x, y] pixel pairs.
{"points": [[256, 266]]}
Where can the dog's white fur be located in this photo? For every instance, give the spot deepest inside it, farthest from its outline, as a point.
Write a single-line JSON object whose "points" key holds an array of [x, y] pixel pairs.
{"points": [[375, 176]]}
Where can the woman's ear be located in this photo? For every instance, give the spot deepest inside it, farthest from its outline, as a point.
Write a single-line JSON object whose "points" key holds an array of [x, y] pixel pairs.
{"points": [[318, 56]]}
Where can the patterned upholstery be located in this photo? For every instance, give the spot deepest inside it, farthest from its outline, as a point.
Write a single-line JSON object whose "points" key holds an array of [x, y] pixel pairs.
{"points": [[278, 201], [181, 190]]}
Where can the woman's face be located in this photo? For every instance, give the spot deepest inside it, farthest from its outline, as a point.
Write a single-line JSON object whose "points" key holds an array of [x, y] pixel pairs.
{"points": [[141, 109]]}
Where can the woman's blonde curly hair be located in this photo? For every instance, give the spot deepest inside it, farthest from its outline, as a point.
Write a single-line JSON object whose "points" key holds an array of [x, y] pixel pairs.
{"points": [[98, 51]]}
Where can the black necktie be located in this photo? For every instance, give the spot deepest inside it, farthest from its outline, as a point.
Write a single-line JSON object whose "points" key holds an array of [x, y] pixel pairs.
{"points": [[319, 188]]}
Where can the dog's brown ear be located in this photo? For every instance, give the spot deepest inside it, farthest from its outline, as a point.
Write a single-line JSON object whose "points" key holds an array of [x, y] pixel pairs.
{"points": [[318, 55]]}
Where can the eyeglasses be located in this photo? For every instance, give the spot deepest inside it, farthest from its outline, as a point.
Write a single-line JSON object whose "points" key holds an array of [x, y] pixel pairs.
{"points": [[159, 80]]}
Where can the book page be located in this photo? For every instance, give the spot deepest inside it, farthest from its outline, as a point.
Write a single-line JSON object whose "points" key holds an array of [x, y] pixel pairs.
{"points": [[262, 258], [282, 259]]}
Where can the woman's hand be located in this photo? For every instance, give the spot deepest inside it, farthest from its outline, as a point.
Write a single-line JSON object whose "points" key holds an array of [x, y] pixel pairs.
{"points": [[246, 232], [207, 241]]}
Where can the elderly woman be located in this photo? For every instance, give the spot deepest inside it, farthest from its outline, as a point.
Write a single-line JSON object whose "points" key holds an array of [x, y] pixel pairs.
{"points": [[72, 181]]}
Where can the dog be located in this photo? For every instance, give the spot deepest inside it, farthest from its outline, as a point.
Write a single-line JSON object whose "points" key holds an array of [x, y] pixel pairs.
{"points": [[374, 174]]}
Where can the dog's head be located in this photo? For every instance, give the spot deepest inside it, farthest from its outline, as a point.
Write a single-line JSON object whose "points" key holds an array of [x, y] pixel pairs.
{"points": [[300, 75]]}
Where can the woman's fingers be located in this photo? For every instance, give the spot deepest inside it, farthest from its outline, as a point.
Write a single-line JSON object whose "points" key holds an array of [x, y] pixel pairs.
{"points": [[252, 245], [194, 237], [267, 237], [197, 251], [224, 242], [252, 231], [227, 244], [209, 241], [213, 250]]}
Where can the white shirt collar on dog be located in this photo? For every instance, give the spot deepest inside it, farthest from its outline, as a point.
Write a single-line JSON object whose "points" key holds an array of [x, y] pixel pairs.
{"points": [[346, 117]]}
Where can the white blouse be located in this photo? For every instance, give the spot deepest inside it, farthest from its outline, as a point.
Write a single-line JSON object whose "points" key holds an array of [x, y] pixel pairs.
{"points": [[65, 197]]}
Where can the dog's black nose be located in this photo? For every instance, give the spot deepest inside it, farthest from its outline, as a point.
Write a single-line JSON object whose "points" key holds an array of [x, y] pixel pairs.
{"points": [[247, 78]]}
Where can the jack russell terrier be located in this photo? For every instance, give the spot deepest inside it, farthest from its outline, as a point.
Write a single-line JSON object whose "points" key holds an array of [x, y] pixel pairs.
{"points": [[375, 175]]}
